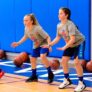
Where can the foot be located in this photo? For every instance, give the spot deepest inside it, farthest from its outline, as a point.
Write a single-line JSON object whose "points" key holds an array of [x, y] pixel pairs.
{"points": [[1, 74], [81, 86], [65, 83], [32, 79], [50, 78]]}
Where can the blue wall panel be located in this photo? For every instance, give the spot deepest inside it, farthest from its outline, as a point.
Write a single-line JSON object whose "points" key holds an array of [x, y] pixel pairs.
{"points": [[21, 9], [12, 28], [6, 24]]}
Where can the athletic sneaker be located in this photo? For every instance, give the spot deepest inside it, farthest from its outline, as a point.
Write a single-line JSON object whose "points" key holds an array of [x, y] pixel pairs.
{"points": [[65, 83], [1, 74], [32, 79], [50, 78], [81, 86]]}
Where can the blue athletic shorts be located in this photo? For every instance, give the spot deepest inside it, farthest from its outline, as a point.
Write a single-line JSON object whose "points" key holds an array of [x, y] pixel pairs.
{"points": [[36, 52], [72, 52]]}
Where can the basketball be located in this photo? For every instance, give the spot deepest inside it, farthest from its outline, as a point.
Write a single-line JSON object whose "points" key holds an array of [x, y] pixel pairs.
{"points": [[83, 63], [89, 66], [24, 56], [20, 59], [55, 64], [2, 54]]}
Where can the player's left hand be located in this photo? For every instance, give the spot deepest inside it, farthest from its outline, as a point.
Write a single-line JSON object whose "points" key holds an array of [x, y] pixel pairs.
{"points": [[50, 49], [62, 48]]}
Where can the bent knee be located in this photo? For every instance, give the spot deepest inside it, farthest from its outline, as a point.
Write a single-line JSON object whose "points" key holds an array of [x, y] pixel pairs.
{"points": [[76, 63], [64, 62], [43, 56]]}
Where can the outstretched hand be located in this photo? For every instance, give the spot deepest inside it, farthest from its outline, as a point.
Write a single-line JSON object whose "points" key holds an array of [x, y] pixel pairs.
{"points": [[14, 44]]}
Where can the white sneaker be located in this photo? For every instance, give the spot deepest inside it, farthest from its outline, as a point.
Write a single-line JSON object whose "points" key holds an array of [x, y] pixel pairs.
{"points": [[65, 83], [81, 86]]}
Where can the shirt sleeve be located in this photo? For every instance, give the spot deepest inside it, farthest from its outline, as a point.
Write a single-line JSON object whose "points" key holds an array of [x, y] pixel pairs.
{"points": [[25, 33], [72, 28], [41, 32], [58, 31]]}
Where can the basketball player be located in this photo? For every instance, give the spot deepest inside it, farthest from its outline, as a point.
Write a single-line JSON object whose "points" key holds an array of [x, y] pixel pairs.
{"points": [[34, 32], [67, 30]]}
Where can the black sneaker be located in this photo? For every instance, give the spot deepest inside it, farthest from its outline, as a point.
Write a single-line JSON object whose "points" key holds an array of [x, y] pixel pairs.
{"points": [[50, 78], [32, 79]]}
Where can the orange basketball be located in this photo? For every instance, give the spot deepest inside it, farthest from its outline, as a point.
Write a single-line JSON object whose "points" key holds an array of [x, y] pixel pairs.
{"points": [[89, 66], [2, 54], [55, 64], [24, 56], [20, 59], [83, 63]]}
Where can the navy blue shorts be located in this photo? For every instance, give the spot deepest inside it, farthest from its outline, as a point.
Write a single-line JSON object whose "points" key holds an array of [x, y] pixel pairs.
{"points": [[36, 52], [72, 52]]}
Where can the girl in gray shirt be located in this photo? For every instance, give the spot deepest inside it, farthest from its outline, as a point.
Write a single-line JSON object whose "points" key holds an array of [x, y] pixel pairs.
{"points": [[67, 30], [40, 38]]}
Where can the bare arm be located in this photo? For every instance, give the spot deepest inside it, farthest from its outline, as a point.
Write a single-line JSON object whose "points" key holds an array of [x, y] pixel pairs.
{"points": [[48, 39], [54, 41], [70, 42], [15, 44], [22, 40]]}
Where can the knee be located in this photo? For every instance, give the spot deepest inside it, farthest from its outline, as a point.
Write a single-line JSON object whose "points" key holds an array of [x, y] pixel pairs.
{"points": [[76, 63], [64, 62], [32, 59], [42, 57]]}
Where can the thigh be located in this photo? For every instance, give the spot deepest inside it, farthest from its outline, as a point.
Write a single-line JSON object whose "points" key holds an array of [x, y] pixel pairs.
{"points": [[65, 59]]}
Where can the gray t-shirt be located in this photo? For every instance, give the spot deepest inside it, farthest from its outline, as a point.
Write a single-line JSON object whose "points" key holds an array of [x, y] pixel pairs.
{"points": [[37, 35], [70, 29]]}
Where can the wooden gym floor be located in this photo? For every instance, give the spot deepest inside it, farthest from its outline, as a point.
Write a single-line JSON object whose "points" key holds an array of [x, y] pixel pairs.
{"points": [[14, 79], [15, 83]]}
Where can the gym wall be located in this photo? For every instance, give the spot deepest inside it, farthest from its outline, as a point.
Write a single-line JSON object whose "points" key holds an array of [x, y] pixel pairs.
{"points": [[12, 28]]}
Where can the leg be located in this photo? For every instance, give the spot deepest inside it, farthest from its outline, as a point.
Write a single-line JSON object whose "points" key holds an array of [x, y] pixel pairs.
{"points": [[35, 54], [64, 63], [45, 61], [81, 86], [78, 67], [33, 65], [33, 77], [33, 62]]}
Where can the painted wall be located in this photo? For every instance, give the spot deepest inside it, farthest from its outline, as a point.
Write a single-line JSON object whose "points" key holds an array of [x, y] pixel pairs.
{"points": [[91, 30], [12, 28]]}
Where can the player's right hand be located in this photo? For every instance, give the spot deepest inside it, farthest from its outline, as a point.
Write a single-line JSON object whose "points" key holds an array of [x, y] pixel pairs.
{"points": [[14, 44]]}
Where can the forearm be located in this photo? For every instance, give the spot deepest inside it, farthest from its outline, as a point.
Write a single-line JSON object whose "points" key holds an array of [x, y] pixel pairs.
{"points": [[22, 40], [54, 41], [48, 39], [69, 44]]}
